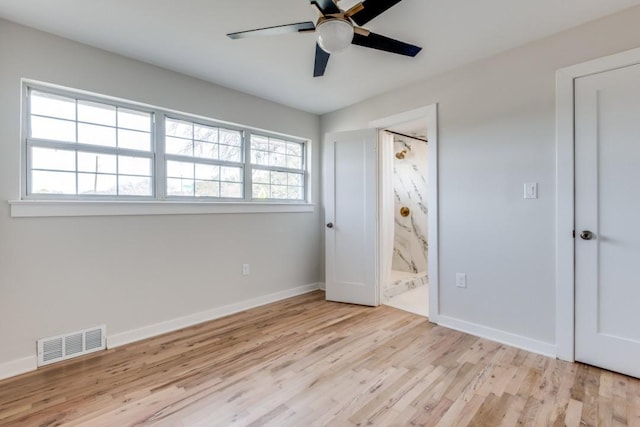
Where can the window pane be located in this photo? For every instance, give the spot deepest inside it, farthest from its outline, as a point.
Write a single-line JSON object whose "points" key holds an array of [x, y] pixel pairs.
{"points": [[52, 159], [134, 140], [205, 150], [183, 147], [230, 137], [179, 128], [97, 162], [180, 169], [277, 146], [134, 186], [94, 112], [231, 190], [209, 172], [279, 178], [295, 179], [96, 135], [92, 183], [230, 174], [295, 193], [137, 120], [54, 129], [278, 160], [278, 191], [134, 165], [230, 153], [205, 133], [259, 143], [53, 182], [46, 104], [294, 162], [260, 176], [295, 149], [180, 187], [207, 189], [260, 158], [260, 191]]}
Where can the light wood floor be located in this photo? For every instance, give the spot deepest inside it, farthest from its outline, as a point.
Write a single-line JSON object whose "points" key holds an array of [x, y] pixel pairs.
{"points": [[307, 362]]}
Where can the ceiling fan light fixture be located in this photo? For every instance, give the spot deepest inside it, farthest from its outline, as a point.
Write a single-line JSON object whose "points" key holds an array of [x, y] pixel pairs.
{"points": [[334, 34]]}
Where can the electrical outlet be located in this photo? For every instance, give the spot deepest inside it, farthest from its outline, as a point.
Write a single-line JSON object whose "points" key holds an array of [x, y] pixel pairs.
{"points": [[461, 280], [245, 269]]}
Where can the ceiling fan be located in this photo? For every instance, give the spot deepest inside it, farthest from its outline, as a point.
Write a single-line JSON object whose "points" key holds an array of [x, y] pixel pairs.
{"points": [[336, 30]]}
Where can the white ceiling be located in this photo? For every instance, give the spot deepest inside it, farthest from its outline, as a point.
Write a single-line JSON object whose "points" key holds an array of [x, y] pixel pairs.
{"points": [[188, 36]]}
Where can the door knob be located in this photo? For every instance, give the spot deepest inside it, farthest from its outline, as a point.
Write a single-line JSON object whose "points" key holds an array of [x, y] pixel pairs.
{"points": [[330, 225], [586, 235]]}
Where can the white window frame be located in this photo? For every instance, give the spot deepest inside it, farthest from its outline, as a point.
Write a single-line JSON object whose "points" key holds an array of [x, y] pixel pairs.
{"points": [[250, 166], [29, 142], [37, 205]]}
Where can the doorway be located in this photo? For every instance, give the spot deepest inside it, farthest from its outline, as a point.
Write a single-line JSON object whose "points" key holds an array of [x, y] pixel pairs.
{"points": [[424, 289], [598, 154], [403, 174], [353, 268]]}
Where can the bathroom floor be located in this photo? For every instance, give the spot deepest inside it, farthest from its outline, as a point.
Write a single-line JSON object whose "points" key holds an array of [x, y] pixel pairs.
{"points": [[414, 301]]}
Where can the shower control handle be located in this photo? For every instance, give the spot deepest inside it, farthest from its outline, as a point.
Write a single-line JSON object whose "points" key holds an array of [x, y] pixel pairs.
{"points": [[330, 225]]}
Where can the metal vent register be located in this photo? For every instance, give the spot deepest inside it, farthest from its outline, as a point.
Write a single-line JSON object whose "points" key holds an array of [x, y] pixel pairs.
{"points": [[74, 344]]}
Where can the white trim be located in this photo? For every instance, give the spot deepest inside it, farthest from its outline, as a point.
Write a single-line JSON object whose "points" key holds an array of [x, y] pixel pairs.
{"points": [[30, 363], [127, 337], [48, 208], [565, 303], [433, 221], [497, 335], [430, 115], [18, 367]]}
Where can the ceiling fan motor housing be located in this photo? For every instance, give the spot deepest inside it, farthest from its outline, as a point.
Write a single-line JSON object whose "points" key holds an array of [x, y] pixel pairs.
{"points": [[334, 34]]}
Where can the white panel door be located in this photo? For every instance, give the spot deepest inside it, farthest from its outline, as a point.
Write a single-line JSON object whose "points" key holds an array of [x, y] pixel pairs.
{"points": [[351, 211], [607, 246]]}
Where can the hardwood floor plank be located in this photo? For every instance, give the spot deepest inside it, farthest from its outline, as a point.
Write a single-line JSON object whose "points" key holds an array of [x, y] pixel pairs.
{"points": [[308, 362]]}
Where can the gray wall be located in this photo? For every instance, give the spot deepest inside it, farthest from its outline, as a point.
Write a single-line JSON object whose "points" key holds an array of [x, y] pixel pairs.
{"points": [[63, 274], [496, 132]]}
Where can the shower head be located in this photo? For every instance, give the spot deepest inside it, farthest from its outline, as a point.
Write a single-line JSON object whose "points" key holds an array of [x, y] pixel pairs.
{"points": [[400, 155]]}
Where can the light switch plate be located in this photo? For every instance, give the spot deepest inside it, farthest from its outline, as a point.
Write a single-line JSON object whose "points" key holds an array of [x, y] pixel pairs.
{"points": [[461, 280], [531, 190]]}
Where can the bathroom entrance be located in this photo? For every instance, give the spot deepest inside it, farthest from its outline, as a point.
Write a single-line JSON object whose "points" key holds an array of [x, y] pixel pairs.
{"points": [[404, 214], [365, 211]]}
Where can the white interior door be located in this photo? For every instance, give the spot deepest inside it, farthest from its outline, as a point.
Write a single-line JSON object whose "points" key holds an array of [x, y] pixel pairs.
{"points": [[607, 246], [351, 212]]}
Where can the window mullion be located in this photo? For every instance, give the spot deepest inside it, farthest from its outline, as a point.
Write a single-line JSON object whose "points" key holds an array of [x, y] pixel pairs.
{"points": [[248, 179], [278, 169], [26, 151], [160, 173]]}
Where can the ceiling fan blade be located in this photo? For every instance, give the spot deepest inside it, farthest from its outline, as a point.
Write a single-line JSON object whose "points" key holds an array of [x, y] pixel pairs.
{"points": [[272, 31], [376, 41], [326, 6], [322, 58], [370, 9]]}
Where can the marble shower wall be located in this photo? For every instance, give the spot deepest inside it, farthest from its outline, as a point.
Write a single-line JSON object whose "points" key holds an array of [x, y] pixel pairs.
{"points": [[410, 190]]}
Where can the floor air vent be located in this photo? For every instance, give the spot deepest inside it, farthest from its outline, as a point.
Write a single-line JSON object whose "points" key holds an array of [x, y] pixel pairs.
{"points": [[63, 347]]}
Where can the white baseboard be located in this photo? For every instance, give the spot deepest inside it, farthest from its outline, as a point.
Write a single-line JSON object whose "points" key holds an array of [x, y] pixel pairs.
{"points": [[518, 341], [30, 363], [149, 331], [322, 286], [18, 366]]}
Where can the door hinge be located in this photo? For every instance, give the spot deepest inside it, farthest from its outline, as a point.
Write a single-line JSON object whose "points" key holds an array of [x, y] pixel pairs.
{"points": [[574, 234]]}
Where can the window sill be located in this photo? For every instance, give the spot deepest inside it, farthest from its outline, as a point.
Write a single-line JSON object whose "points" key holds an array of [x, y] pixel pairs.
{"points": [[51, 208]]}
